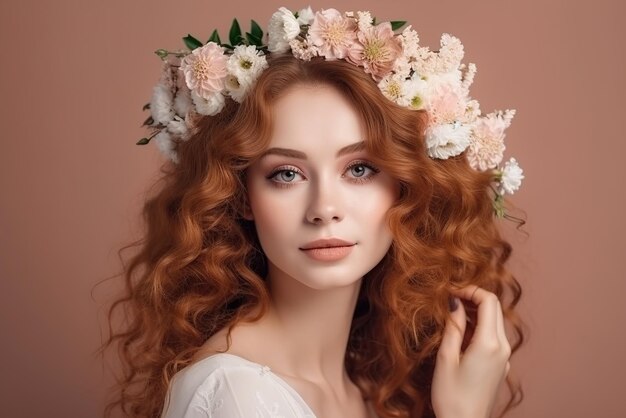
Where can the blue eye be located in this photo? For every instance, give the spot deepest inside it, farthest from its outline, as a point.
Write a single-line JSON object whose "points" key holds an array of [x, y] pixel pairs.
{"points": [[283, 176], [286, 175], [358, 170], [361, 171]]}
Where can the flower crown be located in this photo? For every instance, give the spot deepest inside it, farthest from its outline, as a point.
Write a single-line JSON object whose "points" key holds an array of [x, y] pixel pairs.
{"points": [[199, 80]]}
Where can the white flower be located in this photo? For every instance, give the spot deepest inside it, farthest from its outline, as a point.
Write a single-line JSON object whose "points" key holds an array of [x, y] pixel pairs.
{"points": [[416, 92], [283, 27], [182, 100], [235, 89], [364, 20], [511, 177], [392, 86], [178, 127], [447, 140], [246, 64], [165, 144], [161, 104], [210, 106], [305, 16], [408, 93]]}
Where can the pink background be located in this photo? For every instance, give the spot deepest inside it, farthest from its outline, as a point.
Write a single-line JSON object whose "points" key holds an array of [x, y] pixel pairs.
{"points": [[75, 75]]}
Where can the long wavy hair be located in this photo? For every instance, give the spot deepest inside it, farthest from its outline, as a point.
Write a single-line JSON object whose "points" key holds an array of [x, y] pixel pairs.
{"points": [[199, 266]]}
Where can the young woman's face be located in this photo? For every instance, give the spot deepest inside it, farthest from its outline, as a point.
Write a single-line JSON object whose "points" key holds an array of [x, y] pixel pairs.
{"points": [[316, 182]]}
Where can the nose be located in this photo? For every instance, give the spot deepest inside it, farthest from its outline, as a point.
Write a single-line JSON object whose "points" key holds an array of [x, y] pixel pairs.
{"points": [[325, 204]]}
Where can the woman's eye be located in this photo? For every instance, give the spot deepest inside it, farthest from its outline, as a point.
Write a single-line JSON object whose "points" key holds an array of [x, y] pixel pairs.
{"points": [[284, 176], [362, 171], [358, 170]]}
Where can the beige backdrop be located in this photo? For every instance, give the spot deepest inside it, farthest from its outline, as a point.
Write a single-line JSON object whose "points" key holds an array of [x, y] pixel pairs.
{"points": [[75, 75]]}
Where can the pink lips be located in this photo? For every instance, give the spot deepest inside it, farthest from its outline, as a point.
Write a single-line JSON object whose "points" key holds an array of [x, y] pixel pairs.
{"points": [[328, 249]]}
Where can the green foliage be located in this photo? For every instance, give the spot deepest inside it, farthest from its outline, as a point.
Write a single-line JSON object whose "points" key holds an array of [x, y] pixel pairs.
{"points": [[191, 42], [215, 37], [255, 36], [397, 24], [234, 35]]}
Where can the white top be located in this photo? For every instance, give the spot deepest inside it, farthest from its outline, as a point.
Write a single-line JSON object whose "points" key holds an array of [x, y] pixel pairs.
{"points": [[224, 385]]}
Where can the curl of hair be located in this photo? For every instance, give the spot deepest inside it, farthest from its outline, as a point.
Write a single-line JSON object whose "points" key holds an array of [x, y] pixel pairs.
{"points": [[200, 267]]}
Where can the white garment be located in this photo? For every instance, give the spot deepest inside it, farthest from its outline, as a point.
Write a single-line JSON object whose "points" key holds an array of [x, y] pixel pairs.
{"points": [[224, 385]]}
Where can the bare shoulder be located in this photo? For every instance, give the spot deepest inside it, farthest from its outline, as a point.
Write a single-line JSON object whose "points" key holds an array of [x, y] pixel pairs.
{"points": [[242, 335]]}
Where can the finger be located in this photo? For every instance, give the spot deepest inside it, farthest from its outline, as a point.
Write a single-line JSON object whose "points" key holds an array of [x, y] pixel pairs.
{"points": [[453, 333], [501, 331], [486, 327]]}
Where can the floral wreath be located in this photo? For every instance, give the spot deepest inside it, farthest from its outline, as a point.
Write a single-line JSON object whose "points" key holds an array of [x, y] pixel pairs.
{"points": [[198, 81]]}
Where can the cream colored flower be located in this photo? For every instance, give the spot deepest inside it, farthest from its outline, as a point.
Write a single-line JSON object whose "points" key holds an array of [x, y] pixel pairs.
{"points": [[364, 20], [283, 27], [303, 49]]}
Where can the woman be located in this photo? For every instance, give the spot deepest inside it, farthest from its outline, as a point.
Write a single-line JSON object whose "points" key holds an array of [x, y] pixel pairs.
{"points": [[311, 252]]}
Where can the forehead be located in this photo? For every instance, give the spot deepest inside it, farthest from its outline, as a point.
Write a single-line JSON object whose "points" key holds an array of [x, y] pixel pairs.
{"points": [[314, 116]]}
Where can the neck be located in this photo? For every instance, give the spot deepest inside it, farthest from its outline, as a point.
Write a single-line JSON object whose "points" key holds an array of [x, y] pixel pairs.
{"points": [[311, 326]]}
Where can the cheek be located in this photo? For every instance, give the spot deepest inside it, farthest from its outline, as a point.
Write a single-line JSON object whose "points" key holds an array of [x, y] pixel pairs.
{"points": [[374, 209], [271, 211]]}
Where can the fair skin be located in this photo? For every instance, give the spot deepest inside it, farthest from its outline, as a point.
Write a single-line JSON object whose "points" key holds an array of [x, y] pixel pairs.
{"points": [[317, 181]]}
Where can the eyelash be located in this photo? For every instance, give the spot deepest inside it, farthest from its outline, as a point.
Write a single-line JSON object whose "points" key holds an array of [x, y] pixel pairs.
{"points": [[357, 180]]}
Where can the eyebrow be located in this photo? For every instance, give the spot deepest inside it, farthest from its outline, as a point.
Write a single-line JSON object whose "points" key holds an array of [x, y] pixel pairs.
{"points": [[357, 146]]}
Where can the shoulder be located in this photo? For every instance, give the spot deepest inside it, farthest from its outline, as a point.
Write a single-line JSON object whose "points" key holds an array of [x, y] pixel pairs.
{"points": [[223, 386]]}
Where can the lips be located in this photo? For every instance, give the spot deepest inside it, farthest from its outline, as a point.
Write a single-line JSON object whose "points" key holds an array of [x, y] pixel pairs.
{"points": [[327, 243], [328, 250]]}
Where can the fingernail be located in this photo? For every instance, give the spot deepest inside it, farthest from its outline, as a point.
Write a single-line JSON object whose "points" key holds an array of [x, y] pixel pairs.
{"points": [[453, 303]]}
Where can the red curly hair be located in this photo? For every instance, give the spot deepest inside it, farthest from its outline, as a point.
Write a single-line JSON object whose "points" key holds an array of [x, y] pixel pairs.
{"points": [[200, 267]]}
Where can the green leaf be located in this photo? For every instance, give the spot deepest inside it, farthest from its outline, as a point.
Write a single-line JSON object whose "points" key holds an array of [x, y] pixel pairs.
{"points": [[143, 141], [397, 24], [253, 40], [235, 33], [228, 46], [191, 42], [162, 53], [215, 37], [149, 121], [256, 30], [498, 206]]}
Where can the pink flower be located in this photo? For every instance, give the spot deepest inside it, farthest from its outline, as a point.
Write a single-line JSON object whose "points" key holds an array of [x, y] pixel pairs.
{"points": [[446, 105], [487, 142], [376, 50], [205, 70], [333, 34]]}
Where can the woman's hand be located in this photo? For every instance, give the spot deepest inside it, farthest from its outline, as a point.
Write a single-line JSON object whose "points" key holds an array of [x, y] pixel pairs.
{"points": [[465, 385]]}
